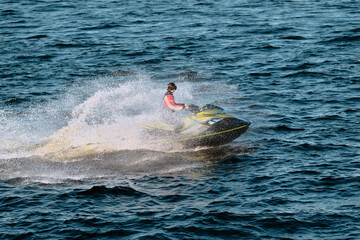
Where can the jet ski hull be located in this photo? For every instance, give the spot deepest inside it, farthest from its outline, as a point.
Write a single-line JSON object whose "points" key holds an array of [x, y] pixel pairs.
{"points": [[221, 133]]}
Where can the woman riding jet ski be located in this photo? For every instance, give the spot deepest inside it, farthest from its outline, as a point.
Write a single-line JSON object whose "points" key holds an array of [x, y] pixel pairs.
{"points": [[168, 112], [207, 126]]}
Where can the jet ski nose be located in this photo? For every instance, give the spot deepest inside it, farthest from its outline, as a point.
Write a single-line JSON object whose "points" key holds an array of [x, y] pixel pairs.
{"points": [[244, 123]]}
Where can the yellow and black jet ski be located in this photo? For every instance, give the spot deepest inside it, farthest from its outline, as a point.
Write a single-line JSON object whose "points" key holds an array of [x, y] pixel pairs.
{"points": [[206, 126]]}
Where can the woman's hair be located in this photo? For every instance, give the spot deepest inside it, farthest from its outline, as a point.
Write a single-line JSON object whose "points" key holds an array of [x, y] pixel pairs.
{"points": [[172, 86]]}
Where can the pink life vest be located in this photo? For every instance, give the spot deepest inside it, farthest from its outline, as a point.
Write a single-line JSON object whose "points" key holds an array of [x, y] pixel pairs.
{"points": [[170, 103]]}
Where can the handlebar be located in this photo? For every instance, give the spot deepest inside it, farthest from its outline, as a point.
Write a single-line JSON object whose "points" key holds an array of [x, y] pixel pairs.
{"points": [[193, 108]]}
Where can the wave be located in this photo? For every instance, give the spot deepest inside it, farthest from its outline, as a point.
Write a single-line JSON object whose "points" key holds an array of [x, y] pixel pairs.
{"points": [[103, 26], [284, 128], [53, 170], [305, 74], [344, 39], [98, 191], [293, 37], [320, 147], [38, 36]]}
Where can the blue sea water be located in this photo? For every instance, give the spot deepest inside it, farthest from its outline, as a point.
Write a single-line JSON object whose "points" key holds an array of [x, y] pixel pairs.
{"points": [[78, 78]]}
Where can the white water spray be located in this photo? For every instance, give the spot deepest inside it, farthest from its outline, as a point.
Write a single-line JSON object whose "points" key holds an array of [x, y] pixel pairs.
{"points": [[109, 120], [100, 116]]}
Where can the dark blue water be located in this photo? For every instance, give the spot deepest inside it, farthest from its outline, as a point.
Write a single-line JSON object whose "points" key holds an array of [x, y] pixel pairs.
{"points": [[78, 78]]}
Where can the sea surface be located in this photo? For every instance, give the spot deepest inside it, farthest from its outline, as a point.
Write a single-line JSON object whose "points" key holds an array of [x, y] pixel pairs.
{"points": [[79, 78]]}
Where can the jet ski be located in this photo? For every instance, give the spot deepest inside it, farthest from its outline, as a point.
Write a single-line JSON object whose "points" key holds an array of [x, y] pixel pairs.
{"points": [[206, 126]]}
